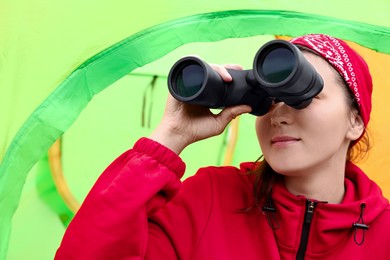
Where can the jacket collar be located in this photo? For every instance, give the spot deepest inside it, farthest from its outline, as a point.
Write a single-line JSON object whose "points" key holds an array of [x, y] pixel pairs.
{"points": [[331, 223]]}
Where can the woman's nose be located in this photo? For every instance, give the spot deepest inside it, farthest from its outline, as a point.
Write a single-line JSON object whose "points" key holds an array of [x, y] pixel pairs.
{"points": [[281, 114]]}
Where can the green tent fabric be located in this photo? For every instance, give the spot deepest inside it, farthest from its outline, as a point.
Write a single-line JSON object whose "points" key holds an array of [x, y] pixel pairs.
{"points": [[56, 56]]}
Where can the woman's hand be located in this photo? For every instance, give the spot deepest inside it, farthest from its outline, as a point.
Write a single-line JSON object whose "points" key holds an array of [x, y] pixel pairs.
{"points": [[183, 124]]}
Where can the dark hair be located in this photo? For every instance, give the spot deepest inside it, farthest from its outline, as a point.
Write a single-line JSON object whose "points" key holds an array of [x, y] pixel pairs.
{"points": [[266, 176]]}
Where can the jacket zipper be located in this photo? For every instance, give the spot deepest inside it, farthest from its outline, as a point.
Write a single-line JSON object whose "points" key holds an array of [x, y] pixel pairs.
{"points": [[310, 206]]}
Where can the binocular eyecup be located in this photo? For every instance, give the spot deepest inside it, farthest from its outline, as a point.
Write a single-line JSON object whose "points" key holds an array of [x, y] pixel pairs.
{"points": [[280, 73]]}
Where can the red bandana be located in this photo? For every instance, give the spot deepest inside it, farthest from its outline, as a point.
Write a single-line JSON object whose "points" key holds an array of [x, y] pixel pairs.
{"points": [[348, 63]]}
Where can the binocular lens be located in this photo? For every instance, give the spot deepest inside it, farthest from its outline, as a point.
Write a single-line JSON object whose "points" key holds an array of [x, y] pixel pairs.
{"points": [[189, 80], [277, 65]]}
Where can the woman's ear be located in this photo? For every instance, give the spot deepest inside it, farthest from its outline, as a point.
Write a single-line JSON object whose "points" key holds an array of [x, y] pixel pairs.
{"points": [[356, 126]]}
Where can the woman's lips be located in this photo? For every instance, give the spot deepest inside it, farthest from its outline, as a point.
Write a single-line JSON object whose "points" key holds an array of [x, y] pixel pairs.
{"points": [[284, 140]]}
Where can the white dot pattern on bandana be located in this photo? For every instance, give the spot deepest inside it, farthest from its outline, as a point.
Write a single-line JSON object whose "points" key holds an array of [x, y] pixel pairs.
{"points": [[333, 51]]}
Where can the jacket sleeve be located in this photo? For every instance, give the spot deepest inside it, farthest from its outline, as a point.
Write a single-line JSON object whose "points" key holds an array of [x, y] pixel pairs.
{"points": [[112, 222]]}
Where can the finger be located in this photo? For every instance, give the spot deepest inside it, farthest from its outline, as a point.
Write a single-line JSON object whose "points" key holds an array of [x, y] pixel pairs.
{"points": [[222, 71], [230, 113], [233, 66]]}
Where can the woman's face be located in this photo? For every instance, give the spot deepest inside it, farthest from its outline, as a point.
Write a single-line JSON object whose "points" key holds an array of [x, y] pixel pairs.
{"points": [[296, 141]]}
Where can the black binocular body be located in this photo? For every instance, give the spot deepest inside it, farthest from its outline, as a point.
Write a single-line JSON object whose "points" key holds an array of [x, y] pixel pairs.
{"points": [[280, 73]]}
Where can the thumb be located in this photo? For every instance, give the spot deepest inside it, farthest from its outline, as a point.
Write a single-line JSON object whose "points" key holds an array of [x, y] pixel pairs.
{"points": [[230, 113]]}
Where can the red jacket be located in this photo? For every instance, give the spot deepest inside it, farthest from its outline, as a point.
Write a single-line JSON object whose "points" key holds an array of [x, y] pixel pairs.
{"points": [[139, 209]]}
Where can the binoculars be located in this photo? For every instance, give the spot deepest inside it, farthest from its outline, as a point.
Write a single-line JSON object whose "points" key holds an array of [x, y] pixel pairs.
{"points": [[280, 74]]}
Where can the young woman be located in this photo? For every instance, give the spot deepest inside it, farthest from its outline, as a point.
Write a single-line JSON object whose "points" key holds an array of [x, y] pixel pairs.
{"points": [[304, 200]]}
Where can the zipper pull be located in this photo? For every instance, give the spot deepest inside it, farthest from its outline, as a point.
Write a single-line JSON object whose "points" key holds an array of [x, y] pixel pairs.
{"points": [[310, 210]]}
